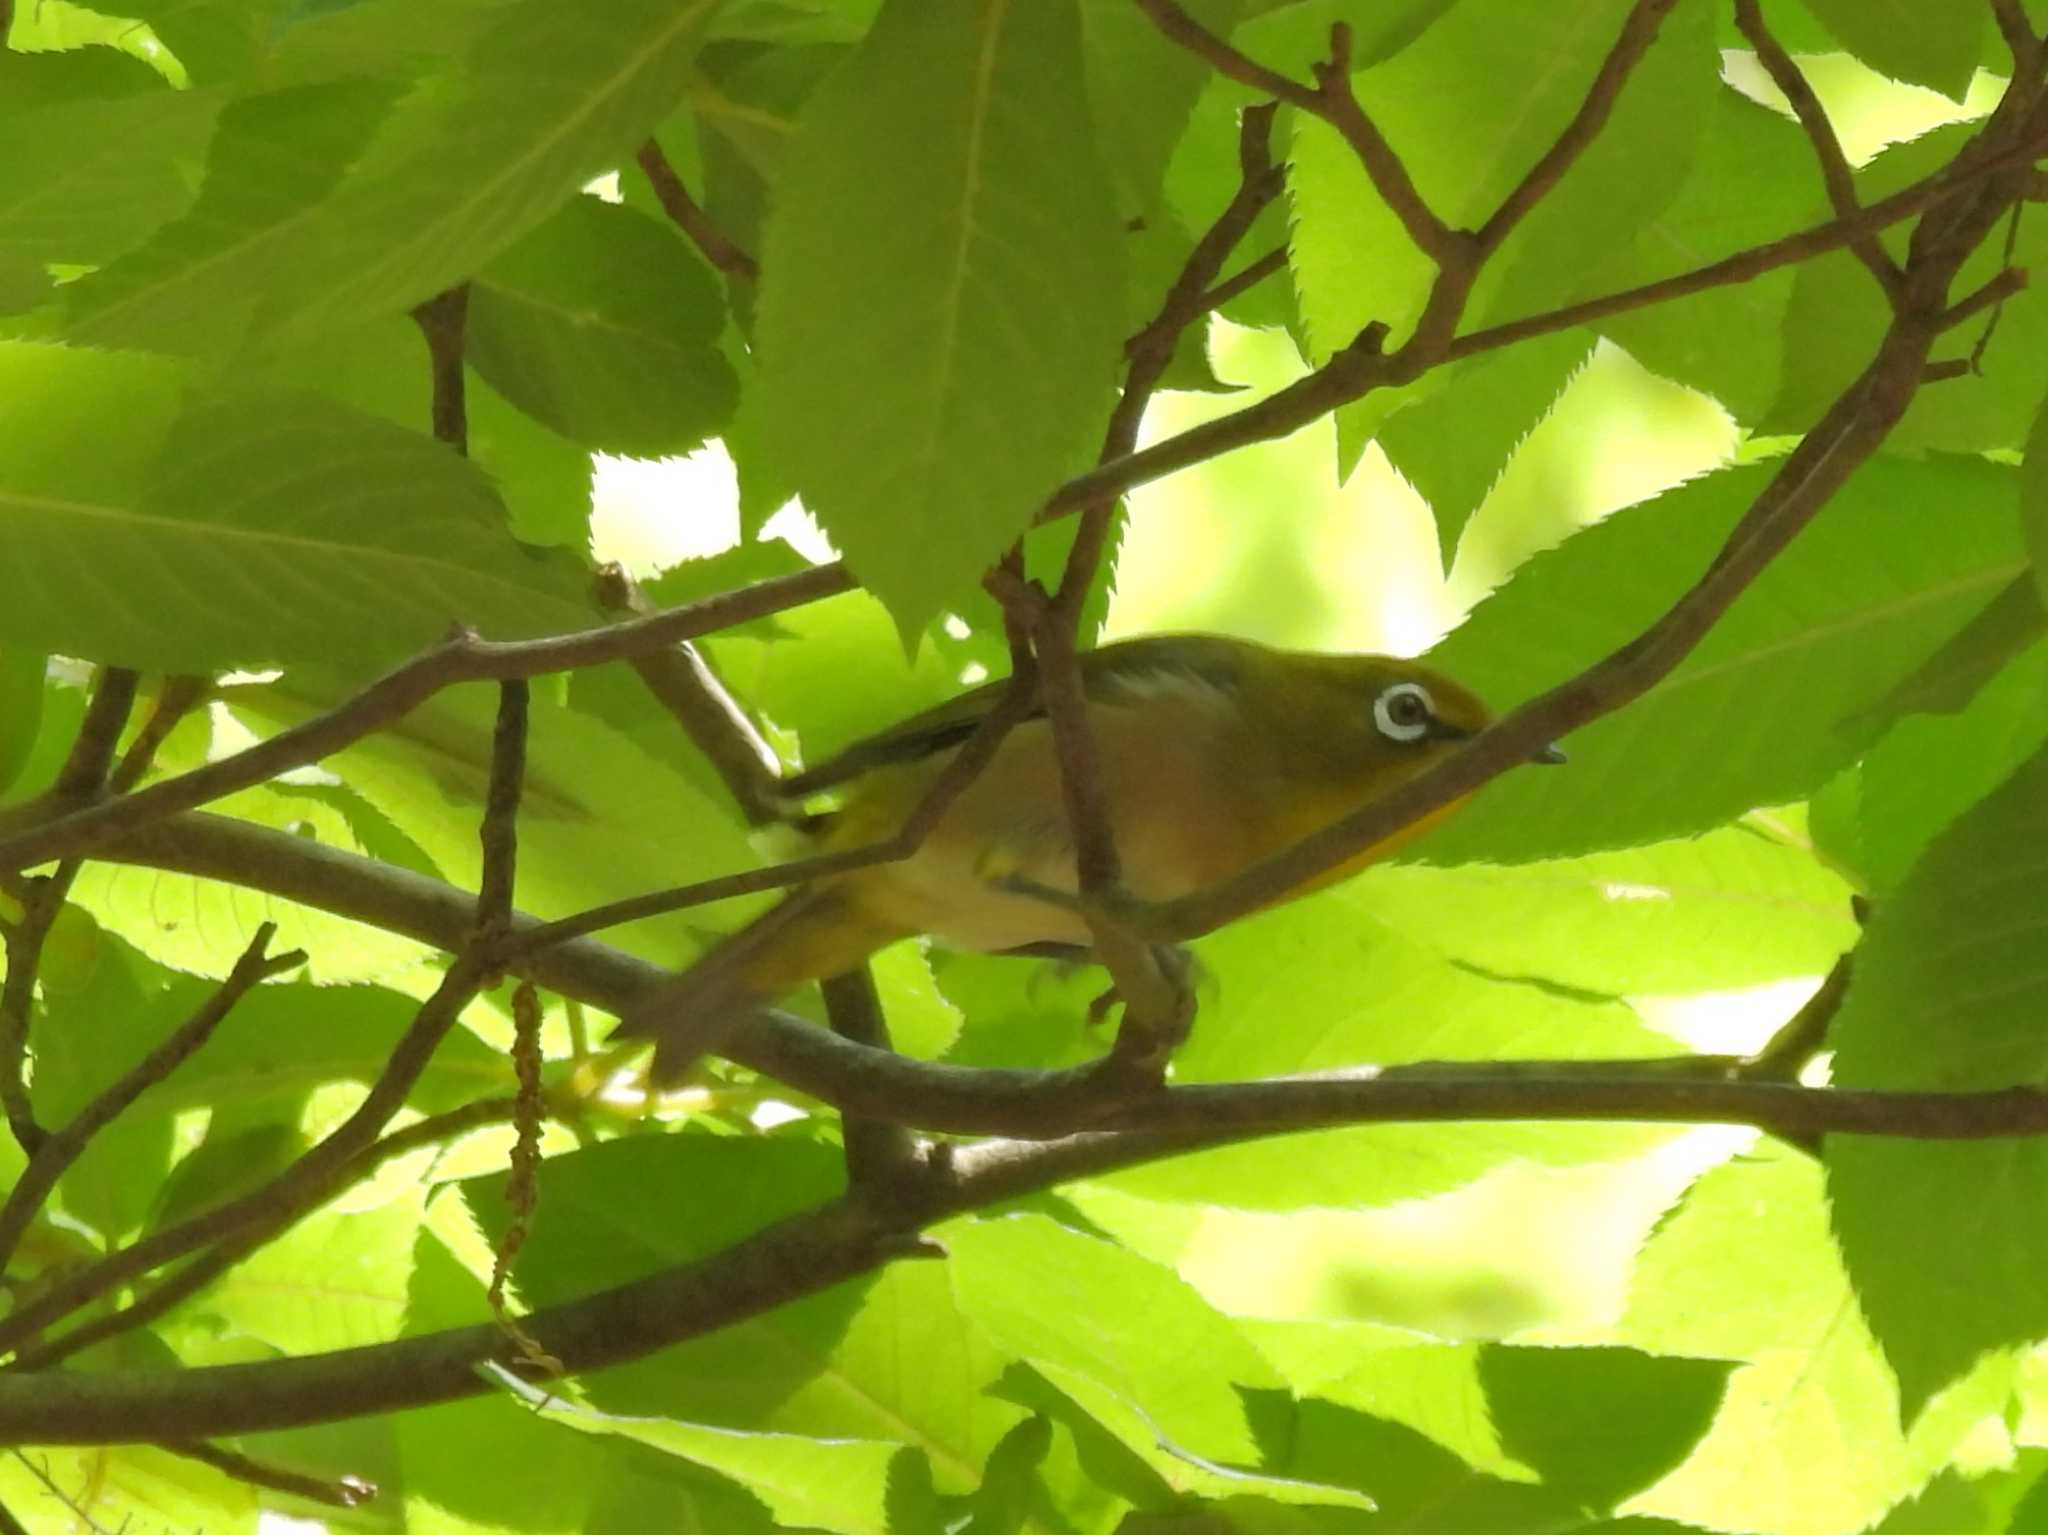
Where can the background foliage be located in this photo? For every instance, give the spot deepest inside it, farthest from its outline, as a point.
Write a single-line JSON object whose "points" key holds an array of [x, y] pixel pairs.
{"points": [[680, 261]]}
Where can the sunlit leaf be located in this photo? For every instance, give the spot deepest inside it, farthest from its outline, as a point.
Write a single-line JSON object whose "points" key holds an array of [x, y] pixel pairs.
{"points": [[1770, 703], [927, 385], [1947, 994]]}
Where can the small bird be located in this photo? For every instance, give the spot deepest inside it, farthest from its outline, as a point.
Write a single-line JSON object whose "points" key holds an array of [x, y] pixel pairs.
{"points": [[1213, 753]]}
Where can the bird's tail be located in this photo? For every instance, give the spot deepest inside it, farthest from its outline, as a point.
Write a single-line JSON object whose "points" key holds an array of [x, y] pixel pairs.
{"points": [[811, 934]]}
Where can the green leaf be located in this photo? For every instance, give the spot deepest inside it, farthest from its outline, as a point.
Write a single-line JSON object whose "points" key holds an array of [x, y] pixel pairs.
{"points": [[1469, 111], [889, 1358], [284, 528], [1294, 35], [600, 324], [1076, 1307], [1930, 769], [825, 1484], [200, 284], [99, 152], [1837, 315], [2006, 627], [21, 709], [215, 40], [1453, 444], [927, 385], [2007, 1501], [599, 819], [1129, 1342], [544, 101], [1729, 908], [1752, 183], [1281, 992], [137, 1486], [201, 926], [1422, 1383], [2034, 498], [1413, 1484], [1142, 86], [1599, 1423], [94, 1025], [1628, 175], [1927, 42], [543, 478], [334, 1280], [1288, 997], [281, 1042], [1808, 1440], [1948, 992], [1860, 599], [845, 676]]}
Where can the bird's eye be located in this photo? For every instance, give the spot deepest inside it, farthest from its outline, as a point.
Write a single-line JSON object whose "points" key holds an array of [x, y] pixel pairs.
{"points": [[1403, 712]]}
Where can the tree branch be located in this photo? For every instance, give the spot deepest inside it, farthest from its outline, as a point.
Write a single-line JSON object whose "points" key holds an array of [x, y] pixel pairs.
{"points": [[1157, 1004], [711, 241], [684, 684], [1846, 436], [812, 1251], [61, 1148], [240, 1225], [1827, 149], [1637, 34], [881, 1156], [41, 834], [339, 1492], [84, 772], [1360, 368]]}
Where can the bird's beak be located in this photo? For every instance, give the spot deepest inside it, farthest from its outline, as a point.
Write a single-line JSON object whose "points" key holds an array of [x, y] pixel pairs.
{"points": [[1552, 754]]}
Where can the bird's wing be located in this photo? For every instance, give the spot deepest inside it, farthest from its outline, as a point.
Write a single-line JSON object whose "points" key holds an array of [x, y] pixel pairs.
{"points": [[1127, 671]]}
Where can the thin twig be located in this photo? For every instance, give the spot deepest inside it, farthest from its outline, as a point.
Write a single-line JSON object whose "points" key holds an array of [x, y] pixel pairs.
{"points": [[2019, 36], [1827, 149], [1016, 704], [82, 776], [715, 246], [1851, 430], [1348, 375], [334, 1492], [881, 1157], [99, 733], [1637, 34], [177, 697], [685, 684], [1360, 368], [432, 1131], [1330, 98], [80, 1517], [241, 1224], [238, 1226], [1275, 260], [462, 658], [1994, 292], [1788, 1051], [443, 321], [61, 1148], [1157, 1006]]}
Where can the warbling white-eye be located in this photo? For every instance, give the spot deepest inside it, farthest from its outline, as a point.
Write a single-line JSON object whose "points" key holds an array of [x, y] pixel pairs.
{"points": [[1213, 753]]}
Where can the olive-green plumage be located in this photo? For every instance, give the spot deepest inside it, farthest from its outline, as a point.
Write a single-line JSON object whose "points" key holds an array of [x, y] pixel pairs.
{"points": [[1213, 753]]}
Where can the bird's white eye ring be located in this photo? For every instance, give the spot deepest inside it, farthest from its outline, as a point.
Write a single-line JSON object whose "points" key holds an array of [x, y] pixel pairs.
{"points": [[1404, 712]]}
